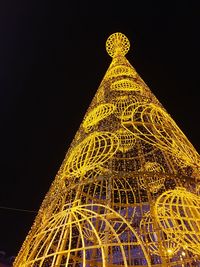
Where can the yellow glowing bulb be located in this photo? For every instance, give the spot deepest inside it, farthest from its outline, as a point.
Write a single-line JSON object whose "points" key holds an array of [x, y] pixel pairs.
{"points": [[169, 251]]}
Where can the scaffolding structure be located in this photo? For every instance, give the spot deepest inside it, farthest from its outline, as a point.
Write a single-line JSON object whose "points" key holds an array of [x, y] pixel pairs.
{"points": [[127, 192]]}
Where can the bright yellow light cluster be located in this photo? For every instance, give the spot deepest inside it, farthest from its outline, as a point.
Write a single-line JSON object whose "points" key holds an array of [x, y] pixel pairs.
{"points": [[92, 231], [121, 70], [127, 192]]}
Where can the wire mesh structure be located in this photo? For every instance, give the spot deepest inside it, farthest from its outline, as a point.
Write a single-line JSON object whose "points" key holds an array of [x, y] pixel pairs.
{"points": [[127, 192]]}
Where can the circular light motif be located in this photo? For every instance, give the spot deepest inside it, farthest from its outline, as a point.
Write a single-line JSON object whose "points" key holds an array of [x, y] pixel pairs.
{"points": [[121, 103], [117, 44], [82, 229], [178, 214], [126, 140], [91, 153], [152, 177]]}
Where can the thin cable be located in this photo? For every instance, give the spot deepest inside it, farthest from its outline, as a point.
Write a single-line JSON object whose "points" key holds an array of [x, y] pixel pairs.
{"points": [[22, 210]]}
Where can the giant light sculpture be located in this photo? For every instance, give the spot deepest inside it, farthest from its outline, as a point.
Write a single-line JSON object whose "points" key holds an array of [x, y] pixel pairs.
{"points": [[127, 192]]}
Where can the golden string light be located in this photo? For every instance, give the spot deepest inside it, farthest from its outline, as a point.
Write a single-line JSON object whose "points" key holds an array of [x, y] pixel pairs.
{"points": [[121, 70], [81, 234], [117, 44]]}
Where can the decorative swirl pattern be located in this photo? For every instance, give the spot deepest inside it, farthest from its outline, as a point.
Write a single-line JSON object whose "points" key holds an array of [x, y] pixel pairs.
{"points": [[97, 114], [91, 153], [178, 214]]}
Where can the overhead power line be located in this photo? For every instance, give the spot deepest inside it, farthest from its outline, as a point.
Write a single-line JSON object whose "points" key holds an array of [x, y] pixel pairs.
{"points": [[15, 209]]}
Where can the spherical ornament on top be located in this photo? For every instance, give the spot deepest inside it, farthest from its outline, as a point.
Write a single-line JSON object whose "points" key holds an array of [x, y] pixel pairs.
{"points": [[117, 44]]}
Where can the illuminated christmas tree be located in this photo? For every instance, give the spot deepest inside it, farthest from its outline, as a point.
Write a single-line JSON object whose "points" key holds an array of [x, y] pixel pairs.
{"points": [[127, 192]]}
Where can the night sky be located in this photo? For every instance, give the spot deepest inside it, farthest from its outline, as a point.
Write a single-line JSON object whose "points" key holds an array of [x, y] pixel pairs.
{"points": [[52, 60]]}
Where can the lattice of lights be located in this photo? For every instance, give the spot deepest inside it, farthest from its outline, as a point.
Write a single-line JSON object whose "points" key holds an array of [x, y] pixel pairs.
{"points": [[82, 234], [178, 214], [106, 206], [156, 240], [120, 70]]}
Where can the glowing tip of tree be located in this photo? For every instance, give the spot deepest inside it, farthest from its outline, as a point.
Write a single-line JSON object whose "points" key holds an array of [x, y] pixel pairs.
{"points": [[117, 44]]}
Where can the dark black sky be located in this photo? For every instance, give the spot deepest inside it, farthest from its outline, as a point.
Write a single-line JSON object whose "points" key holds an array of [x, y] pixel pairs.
{"points": [[52, 59]]}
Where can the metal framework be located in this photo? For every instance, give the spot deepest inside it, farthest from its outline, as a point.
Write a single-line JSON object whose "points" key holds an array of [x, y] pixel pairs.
{"points": [[127, 192]]}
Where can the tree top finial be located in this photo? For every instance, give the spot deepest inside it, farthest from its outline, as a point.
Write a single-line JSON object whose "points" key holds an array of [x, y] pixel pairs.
{"points": [[117, 44]]}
